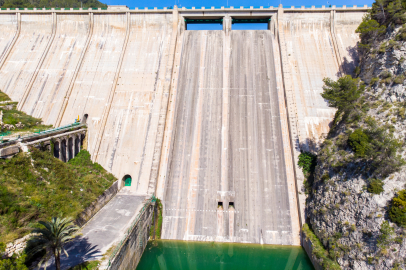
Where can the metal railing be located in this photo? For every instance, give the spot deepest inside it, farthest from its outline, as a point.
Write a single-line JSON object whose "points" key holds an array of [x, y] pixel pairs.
{"points": [[40, 133], [130, 229]]}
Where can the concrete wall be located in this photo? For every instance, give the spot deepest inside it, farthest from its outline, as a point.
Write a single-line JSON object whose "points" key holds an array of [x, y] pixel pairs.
{"points": [[51, 85], [197, 118], [8, 26], [137, 100], [25, 55], [133, 245], [94, 83], [345, 24]]}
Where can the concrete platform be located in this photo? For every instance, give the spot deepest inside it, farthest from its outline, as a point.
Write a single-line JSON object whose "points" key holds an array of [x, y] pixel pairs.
{"points": [[105, 229]]}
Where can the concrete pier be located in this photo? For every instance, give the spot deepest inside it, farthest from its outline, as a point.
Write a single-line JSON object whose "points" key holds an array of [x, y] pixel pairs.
{"points": [[211, 122]]}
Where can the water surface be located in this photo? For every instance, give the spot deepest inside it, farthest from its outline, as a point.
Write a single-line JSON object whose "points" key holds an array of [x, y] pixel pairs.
{"points": [[178, 255]]}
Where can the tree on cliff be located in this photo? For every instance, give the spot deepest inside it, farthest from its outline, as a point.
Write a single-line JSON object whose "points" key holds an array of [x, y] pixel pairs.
{"points": [[51, 239]]}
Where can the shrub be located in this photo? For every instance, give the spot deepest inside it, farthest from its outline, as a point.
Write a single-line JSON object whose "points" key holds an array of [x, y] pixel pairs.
{"points": [[375, 186], [399, 79], [369, 30], [359, 142], [397, 208], [341, 94], [374, 80], [13, 263], [307, 161], [385, 74], [401, 36], [385, 234]]}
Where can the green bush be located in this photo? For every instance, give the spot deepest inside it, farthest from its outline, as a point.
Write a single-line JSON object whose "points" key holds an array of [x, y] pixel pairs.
{"points": [[375, 186], [385, 234], [401, 36], [341, 94], [359, 142], [13, 263], [307, 161], [397, 208]]}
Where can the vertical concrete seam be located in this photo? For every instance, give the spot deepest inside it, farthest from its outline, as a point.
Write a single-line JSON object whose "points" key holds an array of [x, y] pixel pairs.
{"points": [[292, 148], [75, 73], [164, 108], [16, 35], [106, 112], [39, 65], [335, 44], [163, 163]]}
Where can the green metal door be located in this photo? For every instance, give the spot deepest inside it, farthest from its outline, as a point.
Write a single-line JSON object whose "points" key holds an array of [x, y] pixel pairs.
{"points": [[127, 181]]}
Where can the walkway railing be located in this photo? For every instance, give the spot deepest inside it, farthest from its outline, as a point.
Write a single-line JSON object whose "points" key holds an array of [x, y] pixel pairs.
{"points": [[41, 133]]}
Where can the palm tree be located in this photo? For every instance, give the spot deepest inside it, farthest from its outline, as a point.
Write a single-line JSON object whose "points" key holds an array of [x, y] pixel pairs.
{"points": [[51, 239]]}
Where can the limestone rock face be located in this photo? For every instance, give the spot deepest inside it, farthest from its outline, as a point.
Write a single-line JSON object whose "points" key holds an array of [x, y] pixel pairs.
{"points": [[341, 211]]}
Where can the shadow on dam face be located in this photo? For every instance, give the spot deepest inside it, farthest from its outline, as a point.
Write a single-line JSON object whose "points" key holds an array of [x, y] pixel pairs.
{"points": [[227, 176]]}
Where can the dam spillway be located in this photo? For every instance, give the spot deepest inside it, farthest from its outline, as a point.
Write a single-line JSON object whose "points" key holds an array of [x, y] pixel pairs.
{"points": [[212, 122]]}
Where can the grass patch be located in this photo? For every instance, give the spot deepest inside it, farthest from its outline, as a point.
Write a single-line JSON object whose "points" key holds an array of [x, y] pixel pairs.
{"points": [[157, 226], [37, 186], [86, 266], [4, 97], [159, 223], [12, 116], [375, 186]]}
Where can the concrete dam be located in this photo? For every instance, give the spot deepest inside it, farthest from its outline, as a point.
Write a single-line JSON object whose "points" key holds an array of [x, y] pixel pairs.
{"points": [[210, 121]]}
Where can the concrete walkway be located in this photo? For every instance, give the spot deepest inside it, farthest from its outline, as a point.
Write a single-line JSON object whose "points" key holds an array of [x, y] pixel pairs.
{"points": [[104, 230]]}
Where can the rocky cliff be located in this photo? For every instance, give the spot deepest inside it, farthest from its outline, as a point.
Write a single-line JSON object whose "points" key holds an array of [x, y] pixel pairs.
{"points": [[356, 205]]}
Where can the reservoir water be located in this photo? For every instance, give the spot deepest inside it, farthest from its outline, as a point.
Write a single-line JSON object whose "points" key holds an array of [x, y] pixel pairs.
{"points": [[182, 255]]}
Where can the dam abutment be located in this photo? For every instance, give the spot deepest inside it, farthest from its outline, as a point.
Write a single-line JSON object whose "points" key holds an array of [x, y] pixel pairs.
{"points": [[195, 117]]}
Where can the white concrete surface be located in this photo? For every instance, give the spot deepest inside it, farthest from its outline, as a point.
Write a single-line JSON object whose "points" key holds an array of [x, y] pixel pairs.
{"points": [[50, 87], [21, 63], [94, 81], [8, 26], [129, 137]]}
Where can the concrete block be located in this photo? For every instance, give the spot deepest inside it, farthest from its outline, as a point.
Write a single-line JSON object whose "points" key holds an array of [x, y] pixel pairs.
{"points": [[9, 151]]}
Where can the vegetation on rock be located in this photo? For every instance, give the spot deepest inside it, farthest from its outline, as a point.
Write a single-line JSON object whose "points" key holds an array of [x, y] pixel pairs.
{"points": [[157, 221], [36, 186], [318, 250], [359, 142], [397, 209], [361, 162], [375, 186]]}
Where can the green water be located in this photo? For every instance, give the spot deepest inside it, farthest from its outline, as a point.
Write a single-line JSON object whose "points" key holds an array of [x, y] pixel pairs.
{"points": [[180, 255]]}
